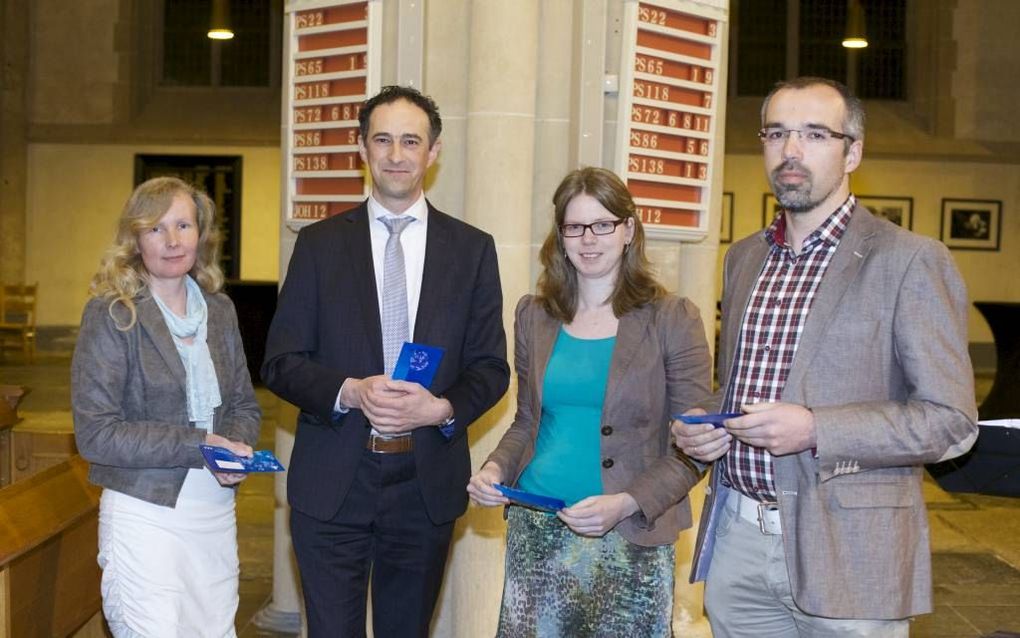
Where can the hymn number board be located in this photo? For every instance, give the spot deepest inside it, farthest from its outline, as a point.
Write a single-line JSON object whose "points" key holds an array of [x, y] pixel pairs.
{"points": [[331, 65], [669, 83]]}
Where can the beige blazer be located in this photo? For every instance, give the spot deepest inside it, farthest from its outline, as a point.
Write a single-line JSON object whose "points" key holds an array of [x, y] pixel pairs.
{"points": [[660, 366], [883, 363]]}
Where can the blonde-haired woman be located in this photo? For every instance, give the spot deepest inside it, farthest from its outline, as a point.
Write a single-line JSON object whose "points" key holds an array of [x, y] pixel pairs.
{"points": [[604, 357], [159, 370]]}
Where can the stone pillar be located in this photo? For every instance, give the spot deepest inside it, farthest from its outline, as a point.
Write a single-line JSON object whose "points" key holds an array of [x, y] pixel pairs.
{"points": [[283, 612], [498, 176], [695, 279], [15, 21]]}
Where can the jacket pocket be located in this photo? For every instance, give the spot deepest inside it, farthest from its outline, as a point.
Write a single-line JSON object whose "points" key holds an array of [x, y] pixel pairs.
{"points": [[865, 495]]}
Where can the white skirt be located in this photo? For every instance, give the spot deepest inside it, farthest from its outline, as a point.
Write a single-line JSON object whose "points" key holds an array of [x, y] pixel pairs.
{"points": [[170, 572]]}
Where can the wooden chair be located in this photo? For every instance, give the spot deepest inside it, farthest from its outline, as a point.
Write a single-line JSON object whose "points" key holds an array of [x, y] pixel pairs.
{"points": [[17, 316]]}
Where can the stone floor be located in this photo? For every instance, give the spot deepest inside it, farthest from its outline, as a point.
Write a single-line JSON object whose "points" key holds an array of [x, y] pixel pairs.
{"points": [[975, 539]]}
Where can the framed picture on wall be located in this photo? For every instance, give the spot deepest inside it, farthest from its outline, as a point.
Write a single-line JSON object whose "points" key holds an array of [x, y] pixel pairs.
{"points": [[898, 210], [971, 224], [769, 209], [726, 227]]}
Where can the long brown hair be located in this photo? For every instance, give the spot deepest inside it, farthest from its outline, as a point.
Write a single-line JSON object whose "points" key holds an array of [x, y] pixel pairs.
{"points": [[122, 275], [557, 285]]}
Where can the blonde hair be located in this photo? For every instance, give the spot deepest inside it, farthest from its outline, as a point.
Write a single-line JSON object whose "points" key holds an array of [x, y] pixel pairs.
{"points": [[122, 275], [558, 286]]}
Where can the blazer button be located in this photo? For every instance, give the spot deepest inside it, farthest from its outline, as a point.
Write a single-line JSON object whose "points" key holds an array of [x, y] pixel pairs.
{"points": [[608, 463], [607, 430]]}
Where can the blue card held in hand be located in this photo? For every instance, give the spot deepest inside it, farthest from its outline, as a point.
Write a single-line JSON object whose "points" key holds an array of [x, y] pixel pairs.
{"points": [[220, 459], [536, 501], [714, 419], [418, 363]]}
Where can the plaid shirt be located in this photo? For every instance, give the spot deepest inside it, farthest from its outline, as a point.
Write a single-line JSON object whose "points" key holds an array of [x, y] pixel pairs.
{"points": [[769, 334]]}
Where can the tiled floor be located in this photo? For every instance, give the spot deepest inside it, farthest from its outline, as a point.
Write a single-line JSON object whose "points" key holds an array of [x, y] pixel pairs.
{"points": [[975, 539]]}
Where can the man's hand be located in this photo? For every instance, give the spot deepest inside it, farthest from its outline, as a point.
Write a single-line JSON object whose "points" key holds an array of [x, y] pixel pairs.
{"points": [[701, 441], [395, 407], [596, 515], [780, 428], [352, 392], [480, 487]]}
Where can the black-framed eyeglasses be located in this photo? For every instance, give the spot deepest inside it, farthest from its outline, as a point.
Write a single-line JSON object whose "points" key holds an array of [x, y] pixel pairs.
{"points": [[776, 135], [605, 227]]}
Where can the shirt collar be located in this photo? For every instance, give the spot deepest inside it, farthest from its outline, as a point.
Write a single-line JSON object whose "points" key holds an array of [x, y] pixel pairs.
{"points": [[830, 231], [418, 210]]}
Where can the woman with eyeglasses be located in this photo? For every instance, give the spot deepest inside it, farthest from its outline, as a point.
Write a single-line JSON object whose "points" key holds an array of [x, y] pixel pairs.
{"points": [[604, 357]]}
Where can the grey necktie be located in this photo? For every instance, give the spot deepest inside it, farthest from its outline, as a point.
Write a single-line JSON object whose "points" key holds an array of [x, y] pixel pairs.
{"points": [[394, 297]]}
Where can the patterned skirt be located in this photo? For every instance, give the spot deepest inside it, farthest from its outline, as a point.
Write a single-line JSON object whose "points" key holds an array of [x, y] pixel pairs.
{"points": [[561, 584]]}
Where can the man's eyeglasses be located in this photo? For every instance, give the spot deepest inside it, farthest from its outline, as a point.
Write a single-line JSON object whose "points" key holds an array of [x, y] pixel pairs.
{"points": [[774, 136], [597, 228]]}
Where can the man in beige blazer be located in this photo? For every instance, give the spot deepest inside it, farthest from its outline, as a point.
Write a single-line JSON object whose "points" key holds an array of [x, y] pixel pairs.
{"points": [[844, 344]]}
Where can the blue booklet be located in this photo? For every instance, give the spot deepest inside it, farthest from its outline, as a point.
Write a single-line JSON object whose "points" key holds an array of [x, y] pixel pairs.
{"points": [[418, 362], [714, 419], [220, 459], [536, 501]]}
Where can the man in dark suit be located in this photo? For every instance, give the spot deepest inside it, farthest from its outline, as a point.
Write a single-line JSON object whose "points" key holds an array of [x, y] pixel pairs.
{"points": [[844, 343], [379, 466]]}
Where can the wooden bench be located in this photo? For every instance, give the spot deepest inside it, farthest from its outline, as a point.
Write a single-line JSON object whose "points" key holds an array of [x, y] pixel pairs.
{"points": [[49, 578], [10, 396]]}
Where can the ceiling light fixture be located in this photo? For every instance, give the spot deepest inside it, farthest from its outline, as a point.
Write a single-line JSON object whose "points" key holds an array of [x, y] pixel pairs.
{"points": [[219, 21]]}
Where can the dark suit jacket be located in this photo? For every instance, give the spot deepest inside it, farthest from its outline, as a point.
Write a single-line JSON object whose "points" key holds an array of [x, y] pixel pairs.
{"points": [[883, 363], [129, 402], [327, 329], [660, 367]]}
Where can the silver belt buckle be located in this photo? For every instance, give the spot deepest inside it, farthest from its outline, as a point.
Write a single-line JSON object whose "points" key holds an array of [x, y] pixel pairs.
{"points": [[768, 519]]}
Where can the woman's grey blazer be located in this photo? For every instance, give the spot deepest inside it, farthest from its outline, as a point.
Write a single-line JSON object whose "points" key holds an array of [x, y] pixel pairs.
{"points": [[129, 402], [660, 367]]}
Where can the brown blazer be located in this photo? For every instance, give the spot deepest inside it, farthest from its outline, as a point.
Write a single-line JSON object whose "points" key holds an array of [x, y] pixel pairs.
{"points": [[883, 363], [660, 367]]}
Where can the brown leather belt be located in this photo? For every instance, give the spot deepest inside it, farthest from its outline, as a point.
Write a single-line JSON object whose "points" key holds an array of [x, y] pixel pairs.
{"points": [[382, 445]]}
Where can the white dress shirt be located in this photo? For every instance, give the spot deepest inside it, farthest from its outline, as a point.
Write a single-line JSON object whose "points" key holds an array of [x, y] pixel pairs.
{"points": [[412, 241]]}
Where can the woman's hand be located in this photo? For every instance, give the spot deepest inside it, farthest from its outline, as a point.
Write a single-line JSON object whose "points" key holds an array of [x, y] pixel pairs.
{"points": [[596, 515], [238, 448], [480, 487], [701, 441], [228, 479]]}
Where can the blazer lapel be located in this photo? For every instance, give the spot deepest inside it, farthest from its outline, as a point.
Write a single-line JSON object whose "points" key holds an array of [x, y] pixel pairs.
{"points": [[359, 268], [742, 279], [151, 320], [630, 333], [853, 249], [437, 276], [545, 330]]}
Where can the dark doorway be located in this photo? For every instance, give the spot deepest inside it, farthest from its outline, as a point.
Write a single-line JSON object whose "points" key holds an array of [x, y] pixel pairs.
{"points": [[220, 177]]}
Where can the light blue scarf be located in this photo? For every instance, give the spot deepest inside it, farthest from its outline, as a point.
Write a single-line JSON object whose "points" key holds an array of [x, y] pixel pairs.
{"points": [[202, 386]]}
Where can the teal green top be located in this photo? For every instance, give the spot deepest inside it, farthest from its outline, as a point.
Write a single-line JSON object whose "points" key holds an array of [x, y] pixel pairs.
{"points": [[567, 461]]}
